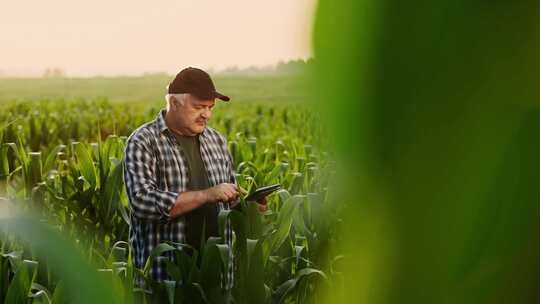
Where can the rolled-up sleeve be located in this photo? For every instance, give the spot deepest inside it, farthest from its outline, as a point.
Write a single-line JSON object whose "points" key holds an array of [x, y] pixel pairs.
{"points": [[146, 200]]}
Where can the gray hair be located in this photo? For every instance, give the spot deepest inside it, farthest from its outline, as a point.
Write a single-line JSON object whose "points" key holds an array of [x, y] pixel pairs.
{"points": [[180, 97]]}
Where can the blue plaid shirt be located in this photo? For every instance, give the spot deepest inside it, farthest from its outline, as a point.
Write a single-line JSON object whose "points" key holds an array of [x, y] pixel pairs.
{"points": [[155, 173]]}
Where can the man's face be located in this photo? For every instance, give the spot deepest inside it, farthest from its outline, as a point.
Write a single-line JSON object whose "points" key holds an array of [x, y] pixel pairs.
{"points": [[193, 116]]}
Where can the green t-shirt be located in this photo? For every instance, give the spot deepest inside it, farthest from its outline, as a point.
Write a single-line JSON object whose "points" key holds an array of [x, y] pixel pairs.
{"points": [[198, 180]]}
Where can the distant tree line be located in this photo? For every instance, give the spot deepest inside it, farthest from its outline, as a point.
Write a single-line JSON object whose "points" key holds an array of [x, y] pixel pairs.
{"points": [[282, 67], [54, 73]]}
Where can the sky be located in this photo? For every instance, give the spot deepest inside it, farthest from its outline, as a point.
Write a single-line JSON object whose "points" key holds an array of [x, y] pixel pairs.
{"points": [[120, 37]]}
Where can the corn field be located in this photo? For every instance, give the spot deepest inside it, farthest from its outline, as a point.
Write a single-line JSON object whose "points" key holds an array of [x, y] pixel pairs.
{"points": [[61, 162]]}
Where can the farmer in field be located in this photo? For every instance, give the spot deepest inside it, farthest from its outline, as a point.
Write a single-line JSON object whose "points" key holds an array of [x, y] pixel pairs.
{"points": [[179, 173]]}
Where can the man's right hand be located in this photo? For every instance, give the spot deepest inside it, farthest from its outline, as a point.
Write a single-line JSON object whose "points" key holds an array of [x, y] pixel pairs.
{"points": [[222, 193]]}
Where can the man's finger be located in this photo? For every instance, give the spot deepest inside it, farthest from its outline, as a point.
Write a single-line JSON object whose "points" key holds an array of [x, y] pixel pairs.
{"points": [[225, 196], [263, 208], [262, 201], [230, 195]]}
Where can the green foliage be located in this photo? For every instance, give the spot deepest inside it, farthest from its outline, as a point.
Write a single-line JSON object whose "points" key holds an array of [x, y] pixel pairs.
{"points": [[435, 111]]}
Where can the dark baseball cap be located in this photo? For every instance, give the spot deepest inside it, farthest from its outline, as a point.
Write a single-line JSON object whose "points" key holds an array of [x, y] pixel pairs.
{"points": [[197, 82]]}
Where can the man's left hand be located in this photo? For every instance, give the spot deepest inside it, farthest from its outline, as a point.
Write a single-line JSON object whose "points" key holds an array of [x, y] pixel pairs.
{"points": [[263, 207]]}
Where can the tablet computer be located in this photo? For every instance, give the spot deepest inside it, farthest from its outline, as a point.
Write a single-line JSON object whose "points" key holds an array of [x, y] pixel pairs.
{"points": [[262, 192]]}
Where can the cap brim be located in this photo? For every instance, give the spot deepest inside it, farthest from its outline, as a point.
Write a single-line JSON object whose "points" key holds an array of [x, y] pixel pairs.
{"points": [[221, 96]]}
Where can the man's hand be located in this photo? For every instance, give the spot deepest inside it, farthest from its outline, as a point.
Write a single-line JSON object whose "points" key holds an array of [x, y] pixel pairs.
{"points": [[222, 193], [263, 204]]}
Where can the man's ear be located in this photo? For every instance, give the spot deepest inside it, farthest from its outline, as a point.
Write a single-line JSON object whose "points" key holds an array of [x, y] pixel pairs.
{"points": [[174, 103]]}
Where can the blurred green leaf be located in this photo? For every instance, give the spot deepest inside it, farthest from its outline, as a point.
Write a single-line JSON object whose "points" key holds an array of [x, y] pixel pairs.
{"points": [[63, 258]]}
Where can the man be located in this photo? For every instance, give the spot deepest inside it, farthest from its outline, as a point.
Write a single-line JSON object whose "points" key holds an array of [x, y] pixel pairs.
{"points": [[179, 173]]}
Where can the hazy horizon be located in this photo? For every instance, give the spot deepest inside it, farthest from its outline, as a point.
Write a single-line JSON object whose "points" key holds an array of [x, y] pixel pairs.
{"points": [[104, 38], [233, 70]]}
